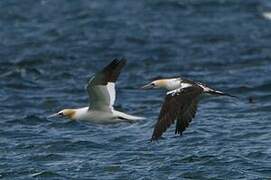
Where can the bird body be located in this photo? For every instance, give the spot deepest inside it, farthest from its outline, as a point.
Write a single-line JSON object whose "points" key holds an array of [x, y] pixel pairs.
{"points": [[99, 116], [180, 103], [102, 95]]}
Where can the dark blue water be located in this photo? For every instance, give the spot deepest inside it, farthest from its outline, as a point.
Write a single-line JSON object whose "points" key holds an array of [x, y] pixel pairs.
{"points": [[48, 49]]}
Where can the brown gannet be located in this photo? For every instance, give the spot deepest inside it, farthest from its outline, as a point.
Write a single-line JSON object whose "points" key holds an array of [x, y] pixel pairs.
{"points": [[180, 103], [102, 95]]}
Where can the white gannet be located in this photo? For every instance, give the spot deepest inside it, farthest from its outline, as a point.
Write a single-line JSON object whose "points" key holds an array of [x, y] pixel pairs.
{"points": [[102, 95], [180, 103]]}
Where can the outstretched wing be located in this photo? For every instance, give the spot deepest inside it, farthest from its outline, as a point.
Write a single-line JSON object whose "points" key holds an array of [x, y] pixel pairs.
{"points": [[101, 87], [180, 104], [184, 118]]}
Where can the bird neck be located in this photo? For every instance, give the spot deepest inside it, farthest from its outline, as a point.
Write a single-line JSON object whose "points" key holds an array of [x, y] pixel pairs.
{"points": [[79, 113]]}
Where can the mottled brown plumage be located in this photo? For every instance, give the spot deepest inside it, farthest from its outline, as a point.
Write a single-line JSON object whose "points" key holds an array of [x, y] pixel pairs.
{"points": [[180, 105]]}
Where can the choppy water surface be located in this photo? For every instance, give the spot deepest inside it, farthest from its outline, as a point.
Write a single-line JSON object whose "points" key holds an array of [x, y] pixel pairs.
{"points": [[49, 48]]}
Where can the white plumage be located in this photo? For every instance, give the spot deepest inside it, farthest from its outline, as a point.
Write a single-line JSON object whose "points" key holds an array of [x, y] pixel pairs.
{"points": [[102, 95]]}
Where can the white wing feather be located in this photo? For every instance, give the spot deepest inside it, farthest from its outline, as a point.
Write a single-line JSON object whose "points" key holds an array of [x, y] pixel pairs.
{"points": [[101, 87], [102, 97]]}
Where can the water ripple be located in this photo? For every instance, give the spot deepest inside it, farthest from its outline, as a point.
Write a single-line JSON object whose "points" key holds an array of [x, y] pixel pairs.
{"points": [[48, 53]]}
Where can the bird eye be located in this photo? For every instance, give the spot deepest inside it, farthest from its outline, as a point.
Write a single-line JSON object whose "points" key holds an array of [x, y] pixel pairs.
{"points": [[61, 114], [152, 84]]}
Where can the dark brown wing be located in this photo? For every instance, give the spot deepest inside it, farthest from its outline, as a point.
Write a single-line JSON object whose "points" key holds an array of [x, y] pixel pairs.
{"points": [[110, 73], [176, 103], [184, 118]]}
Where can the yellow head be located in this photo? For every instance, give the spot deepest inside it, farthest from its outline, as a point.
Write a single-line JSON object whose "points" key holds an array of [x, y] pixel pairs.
{"points": [[160, 83], [67, 113]]}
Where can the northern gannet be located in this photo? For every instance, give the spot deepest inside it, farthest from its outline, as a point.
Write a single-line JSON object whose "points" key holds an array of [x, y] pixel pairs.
{"points": [[180, 103], [102, 95]]}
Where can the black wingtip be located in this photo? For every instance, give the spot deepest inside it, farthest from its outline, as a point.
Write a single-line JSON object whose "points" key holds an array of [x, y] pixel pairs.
{"points": [[111, 72], [153, 138], [123, 60], [119, 61], [116, 63]]}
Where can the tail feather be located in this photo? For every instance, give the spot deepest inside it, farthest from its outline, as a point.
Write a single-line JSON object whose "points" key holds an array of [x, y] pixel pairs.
{"points": [[214, 92], [127, 117]]}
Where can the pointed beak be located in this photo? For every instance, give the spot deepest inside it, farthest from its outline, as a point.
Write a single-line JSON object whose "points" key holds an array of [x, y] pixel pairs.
{"points": [[148, 86], [53, 115]]}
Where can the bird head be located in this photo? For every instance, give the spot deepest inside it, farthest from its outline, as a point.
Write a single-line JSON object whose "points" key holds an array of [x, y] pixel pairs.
{"points": [[169, 84], [66, 113], [157, 84]]}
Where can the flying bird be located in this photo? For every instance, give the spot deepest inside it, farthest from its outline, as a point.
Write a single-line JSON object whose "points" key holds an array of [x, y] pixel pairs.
{"points": [[180, 103], [102, 95]]}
